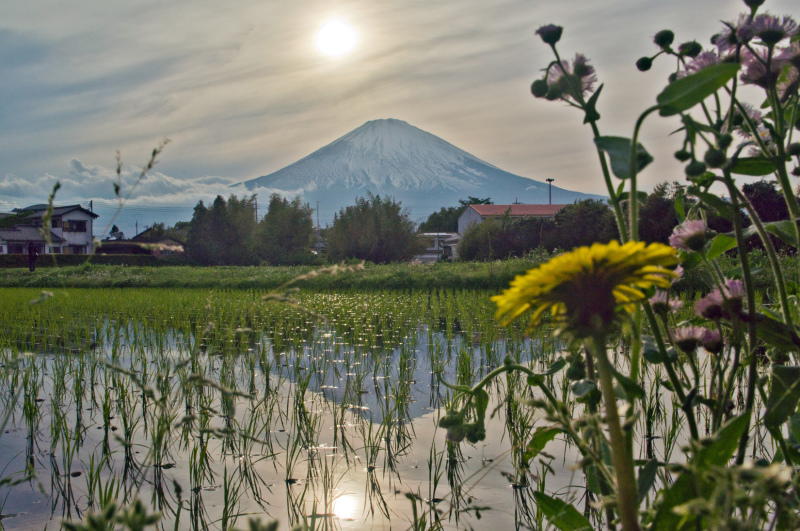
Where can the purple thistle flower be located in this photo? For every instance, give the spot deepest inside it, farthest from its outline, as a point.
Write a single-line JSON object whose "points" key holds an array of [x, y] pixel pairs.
{"points": [[688, 338], [678, 274], [700, 62], [662, 304], [757, 72], [712, 341], [710, 306], [772, 30], [733, 296], [726, 40], [689, 235], [581, 73]]}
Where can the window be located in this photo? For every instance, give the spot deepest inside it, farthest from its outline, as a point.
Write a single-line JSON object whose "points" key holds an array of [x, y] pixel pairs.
{"points": [[74, 225], [16, 248], [55, 250], [55, 223], [75, 249]]}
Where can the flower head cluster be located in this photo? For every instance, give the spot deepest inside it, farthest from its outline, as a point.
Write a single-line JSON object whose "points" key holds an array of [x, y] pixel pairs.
{"points": [[689, 235], [759, 69], [688, 338], [585, 288], [662, 304], [571, 81], [704, 60], [726, 40], [722, 303], [771, 29]]}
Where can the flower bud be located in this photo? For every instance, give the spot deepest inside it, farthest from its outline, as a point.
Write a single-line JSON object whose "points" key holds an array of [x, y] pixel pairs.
{"points": [[683, 155], [793, 149], [724, 141], [672, 78], [644, 64], [695, 168], [539, 88], [664, 38], [553, 92], [796, 171], [550, 33], [715, 158], [690, 49]]}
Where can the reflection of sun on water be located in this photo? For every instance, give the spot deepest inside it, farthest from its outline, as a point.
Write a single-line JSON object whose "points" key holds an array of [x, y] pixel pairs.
{"points": [[336, 38], [344, 507]]}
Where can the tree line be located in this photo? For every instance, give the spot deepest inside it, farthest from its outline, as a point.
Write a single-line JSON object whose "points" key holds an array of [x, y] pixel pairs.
{"points": [[379, 230]]}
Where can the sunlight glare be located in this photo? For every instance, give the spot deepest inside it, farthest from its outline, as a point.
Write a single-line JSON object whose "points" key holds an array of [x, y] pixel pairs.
{"points": [[344, 507], [336, 38]]}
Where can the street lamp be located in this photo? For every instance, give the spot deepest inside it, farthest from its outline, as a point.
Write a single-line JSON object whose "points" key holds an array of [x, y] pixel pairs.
{"points": [[550, 189]]}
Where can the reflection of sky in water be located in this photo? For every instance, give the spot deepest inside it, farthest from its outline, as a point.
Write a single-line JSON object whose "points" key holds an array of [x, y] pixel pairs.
{"points": [[340, 479]]}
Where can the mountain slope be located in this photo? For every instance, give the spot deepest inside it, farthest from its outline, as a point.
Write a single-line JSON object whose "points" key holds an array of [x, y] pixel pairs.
{"points": [[391, 157]]}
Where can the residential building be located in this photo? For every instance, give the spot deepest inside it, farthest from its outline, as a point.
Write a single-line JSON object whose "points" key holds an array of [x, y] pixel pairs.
{"points": [[475, 214], [69, 230], [440, 246]]}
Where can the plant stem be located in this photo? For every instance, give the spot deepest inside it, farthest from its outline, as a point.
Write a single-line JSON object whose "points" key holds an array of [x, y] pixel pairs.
{"points": [[623, 462]]}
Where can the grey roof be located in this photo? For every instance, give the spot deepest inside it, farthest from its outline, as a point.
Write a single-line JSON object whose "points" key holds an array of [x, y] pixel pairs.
{"points": [[26, 233], [39, 210]]}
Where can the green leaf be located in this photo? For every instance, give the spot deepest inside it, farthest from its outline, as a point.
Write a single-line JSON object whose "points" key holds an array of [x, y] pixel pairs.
{"points": [[631, 388], [619, 151], [720, 244], [685, 93], [723, 208], [540, 438], [784, 395], [689, 260], [647, 476], [583, 387], [680, 209], [775, 333], [726, 440], [641, 195], [538, 379], [591, 111], [561, 514], [784, 230], [754, 166]]}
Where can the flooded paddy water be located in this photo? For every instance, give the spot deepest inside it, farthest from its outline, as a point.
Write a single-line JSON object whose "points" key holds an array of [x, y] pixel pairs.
{"points": [[215, 407]]}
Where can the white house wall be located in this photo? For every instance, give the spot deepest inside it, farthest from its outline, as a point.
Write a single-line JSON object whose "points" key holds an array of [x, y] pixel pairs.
{"points": [[467, 218], [76, 238]]}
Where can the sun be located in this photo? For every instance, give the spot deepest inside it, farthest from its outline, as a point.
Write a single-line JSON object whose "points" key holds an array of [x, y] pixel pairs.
{"points": [[335, 38]]}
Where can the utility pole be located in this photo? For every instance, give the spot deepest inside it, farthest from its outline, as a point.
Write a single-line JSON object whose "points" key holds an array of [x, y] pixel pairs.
{"points": [[550, 189], [91, 205], [137, 227]]}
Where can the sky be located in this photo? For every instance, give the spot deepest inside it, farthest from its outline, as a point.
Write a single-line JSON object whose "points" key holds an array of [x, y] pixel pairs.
{"points": [[241, 91]]}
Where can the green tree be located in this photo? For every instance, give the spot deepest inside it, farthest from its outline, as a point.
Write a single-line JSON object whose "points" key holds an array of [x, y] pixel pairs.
{"points": [[505, 237], [222, 234], [374, 229], [286, 232], [584, 223], [657, 216]]}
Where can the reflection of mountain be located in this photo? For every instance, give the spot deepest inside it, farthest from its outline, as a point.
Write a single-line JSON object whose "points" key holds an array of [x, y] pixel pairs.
{"points": [[391, 157]]}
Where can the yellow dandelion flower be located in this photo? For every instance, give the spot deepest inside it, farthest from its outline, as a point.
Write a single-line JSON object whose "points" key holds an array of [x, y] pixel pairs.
{"points": [[586, 287]]}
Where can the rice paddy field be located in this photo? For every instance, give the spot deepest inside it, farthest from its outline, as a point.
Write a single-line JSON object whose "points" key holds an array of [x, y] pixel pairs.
{"points": [[216, 406]]}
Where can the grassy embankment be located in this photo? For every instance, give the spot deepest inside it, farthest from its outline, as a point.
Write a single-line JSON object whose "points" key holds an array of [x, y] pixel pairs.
{"points": [[461, 275]]}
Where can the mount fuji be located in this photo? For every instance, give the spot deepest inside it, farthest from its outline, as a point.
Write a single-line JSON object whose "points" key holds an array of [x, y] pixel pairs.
{"points": [[393, 158]]}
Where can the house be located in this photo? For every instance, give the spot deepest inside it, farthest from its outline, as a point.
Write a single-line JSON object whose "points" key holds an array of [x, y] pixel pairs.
{"points": [[474, 214], [69, 230], [440, 246], [14, 240], [150, 241]]}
